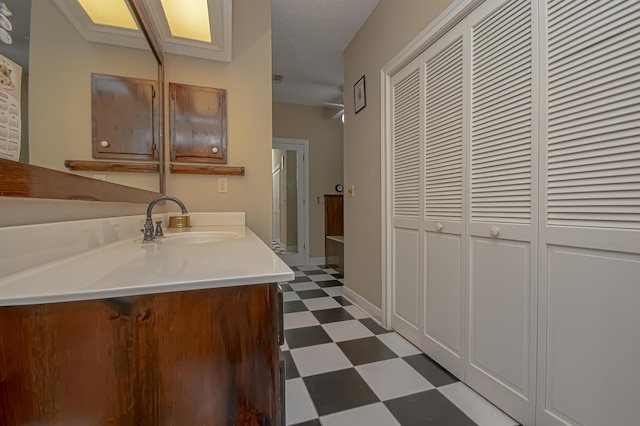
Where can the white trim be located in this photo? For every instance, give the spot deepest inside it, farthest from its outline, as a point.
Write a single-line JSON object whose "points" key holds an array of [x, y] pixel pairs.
{"points": [[303, 214], [370, 309], [443, 23], [221, 21], [316, 261], [74, 12]]}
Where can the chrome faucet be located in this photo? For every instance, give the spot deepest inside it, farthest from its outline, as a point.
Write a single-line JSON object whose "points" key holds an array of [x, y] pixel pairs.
{"points": [[149, 234]]}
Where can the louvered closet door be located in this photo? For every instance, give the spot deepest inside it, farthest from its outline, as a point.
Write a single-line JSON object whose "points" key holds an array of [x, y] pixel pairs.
{"points": [[589, 338], [406, 175], [443, 302], [502, 219]]}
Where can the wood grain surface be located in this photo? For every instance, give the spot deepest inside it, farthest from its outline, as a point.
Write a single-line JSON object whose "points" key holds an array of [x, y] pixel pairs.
{"points": [[25, 180], [203, 357]]}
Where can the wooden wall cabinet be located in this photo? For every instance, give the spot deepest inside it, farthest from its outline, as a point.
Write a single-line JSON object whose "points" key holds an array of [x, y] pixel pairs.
{"points": [[200, 357], [198, 124], [334, 231], [125, 118]]}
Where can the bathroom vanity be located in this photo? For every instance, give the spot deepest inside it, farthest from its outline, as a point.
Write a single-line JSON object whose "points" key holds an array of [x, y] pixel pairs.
{"points": [[182, 331]]}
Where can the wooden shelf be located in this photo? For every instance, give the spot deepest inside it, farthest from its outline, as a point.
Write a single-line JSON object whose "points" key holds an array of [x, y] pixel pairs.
{"points": [[190, 169], [110, 166]]}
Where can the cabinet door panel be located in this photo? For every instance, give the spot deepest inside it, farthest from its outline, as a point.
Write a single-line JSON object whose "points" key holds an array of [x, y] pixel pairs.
{"points": [[198, 118], [125, 118]]}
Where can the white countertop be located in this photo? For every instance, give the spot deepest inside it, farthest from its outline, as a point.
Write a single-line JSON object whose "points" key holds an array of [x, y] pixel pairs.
{"points": [[127, 267]]}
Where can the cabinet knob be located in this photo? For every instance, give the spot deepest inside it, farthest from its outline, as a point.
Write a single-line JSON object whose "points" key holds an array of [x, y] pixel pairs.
{"points": [[214, 150], [439, 227], [104, 144], [494, 231]]}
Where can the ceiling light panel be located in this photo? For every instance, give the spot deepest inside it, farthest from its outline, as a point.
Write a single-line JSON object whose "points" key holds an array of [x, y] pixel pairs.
{"points": [[113, 13], [188, 19]]}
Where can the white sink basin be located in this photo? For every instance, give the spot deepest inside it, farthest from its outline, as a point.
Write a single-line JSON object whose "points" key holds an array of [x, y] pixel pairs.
{"points": [[189, 238]]}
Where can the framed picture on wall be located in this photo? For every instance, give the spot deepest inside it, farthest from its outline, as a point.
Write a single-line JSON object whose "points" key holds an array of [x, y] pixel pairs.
{"points": [[360, 94]]}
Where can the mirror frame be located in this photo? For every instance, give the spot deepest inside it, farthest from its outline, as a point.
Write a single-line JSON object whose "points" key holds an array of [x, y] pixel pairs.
{"points": [[28, 181]]}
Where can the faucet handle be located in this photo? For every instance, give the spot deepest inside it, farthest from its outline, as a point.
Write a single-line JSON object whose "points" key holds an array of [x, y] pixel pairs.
{"points": [[148, 231], [159, 229]]}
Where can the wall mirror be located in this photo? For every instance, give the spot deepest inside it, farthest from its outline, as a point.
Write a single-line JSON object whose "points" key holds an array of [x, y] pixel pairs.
{"points": [[56, 111]]}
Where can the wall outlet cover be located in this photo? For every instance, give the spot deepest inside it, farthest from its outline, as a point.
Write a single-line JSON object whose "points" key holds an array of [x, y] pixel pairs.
{"points": [[222, 186]]}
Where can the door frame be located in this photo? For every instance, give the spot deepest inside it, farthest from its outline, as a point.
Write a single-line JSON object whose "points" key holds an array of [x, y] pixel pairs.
{"points": [[303, 192]]}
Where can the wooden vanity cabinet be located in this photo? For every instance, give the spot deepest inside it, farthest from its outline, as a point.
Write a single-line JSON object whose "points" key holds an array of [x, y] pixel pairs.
{"points": [[334, 231], [200, 357]]}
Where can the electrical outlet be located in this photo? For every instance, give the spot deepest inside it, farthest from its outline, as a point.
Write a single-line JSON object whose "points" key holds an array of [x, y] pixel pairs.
{"points": [[222, 186], [352, 191]]}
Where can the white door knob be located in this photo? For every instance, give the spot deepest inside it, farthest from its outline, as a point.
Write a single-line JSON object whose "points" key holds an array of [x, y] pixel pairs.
{"points": [[214, 150], [439, 226], [494, 231], [104, 144]]}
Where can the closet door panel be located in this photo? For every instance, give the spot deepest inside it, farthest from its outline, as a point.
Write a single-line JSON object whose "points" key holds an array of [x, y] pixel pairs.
{"points": [[444, 136], [407, 180], [590, 232], [592, 338], [406, 296], [443, 304], [502, 217], [500, 333]]}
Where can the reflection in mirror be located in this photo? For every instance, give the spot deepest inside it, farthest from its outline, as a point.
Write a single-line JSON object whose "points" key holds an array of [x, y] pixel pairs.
{"points": [[60, 61], [285, 202]]}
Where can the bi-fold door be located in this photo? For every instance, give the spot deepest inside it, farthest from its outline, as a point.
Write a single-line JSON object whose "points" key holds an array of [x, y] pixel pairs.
{"points": [[515, 176], [589, 340], [464, 175], [502, 206]]}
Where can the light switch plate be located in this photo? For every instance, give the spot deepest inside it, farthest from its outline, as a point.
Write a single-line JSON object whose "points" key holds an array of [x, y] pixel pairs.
{"points": [[351, 190], [222, 185]]}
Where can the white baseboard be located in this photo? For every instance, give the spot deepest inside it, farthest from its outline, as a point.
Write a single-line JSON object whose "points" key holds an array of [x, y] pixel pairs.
{"points": [[372, 310], [316, 261]]}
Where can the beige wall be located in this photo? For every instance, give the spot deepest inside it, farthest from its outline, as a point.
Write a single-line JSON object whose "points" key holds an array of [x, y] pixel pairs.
{"points": [[247, 80], [61, 63], [325, 158], [391, 26], [28, 211]]}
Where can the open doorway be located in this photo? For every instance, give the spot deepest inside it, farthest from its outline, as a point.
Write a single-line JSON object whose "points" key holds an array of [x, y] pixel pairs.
{"points": [[290, 193]]}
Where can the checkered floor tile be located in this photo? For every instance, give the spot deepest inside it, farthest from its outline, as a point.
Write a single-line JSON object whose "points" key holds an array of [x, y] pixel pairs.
{"points": [[343, 368]]}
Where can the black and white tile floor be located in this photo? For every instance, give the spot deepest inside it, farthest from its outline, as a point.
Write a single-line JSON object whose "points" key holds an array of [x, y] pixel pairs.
{"points": [[344, 369]]}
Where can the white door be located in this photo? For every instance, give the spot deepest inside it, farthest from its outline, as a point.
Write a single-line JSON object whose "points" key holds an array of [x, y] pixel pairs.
{"points": [[502, 215], [443, 225], [293, 200], [589, 335], [276, 206], [407, 181]]}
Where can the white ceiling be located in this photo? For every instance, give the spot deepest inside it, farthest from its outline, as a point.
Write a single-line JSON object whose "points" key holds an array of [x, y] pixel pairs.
{"points": [[308, 41]]}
